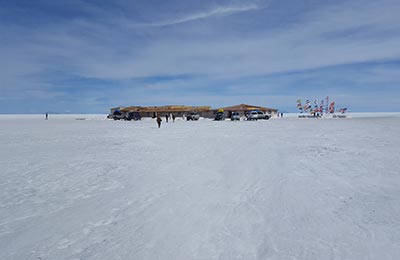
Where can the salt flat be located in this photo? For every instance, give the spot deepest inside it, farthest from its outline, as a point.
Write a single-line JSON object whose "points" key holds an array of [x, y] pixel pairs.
{"points": [[279, 189]]}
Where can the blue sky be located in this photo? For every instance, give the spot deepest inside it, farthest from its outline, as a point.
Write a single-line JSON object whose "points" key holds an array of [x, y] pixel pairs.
{"points": [[85, 56]]}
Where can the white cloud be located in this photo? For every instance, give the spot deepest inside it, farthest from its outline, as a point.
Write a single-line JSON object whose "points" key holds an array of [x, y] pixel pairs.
{"points": [[221, 10]]}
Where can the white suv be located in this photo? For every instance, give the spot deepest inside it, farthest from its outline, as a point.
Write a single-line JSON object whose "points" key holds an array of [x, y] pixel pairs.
{"points": [[257, 114]]}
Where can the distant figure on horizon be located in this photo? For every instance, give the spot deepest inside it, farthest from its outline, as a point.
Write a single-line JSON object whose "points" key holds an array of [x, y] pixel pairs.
{"points": [[282, 115], [166, 118], [159, 121], [47, 116]]}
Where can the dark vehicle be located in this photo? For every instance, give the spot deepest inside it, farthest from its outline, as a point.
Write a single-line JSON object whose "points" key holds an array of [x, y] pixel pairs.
{"points": [[193, 116], [135, 116], [235, 116], [219, 116], [117, 115]]}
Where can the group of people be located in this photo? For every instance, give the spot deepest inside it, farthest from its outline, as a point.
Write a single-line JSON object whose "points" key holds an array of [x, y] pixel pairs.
{"points": [[167, 117]]}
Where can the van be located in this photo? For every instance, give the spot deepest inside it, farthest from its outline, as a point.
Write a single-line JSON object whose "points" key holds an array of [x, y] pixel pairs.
{"points": [[235, 116]]}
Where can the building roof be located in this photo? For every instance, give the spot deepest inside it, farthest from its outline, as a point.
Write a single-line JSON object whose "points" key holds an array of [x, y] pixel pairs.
{"points": [[245, 107], [166, 109], [185, 109]]}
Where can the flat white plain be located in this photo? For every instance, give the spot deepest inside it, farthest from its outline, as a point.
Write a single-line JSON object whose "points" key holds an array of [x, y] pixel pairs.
{"points": [[279, 189]]}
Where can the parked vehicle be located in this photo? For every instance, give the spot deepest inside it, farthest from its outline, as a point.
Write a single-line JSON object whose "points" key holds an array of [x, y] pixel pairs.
{"points": [[219, 116], [256, 115], [235, 116], [262, 115], [117, 115], [194, 116], [133, 116], [252, 115]]}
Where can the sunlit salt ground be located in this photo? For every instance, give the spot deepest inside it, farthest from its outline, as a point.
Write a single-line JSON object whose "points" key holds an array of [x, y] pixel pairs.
{"points": [[280, 189]]}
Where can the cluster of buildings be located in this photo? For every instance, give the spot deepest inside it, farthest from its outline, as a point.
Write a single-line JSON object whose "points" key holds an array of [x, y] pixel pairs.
{"points": [[181, 111]]}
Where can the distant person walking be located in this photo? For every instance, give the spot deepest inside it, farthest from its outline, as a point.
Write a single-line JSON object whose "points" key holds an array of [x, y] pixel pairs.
{"points": [[166, 118], [173, 118], [47, 116], [159, 121]]}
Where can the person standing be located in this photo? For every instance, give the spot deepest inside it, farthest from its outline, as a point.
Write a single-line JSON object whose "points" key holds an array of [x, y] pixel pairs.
{"points": [[173, 118], [159, 121], [47, 116], [166, 118]]}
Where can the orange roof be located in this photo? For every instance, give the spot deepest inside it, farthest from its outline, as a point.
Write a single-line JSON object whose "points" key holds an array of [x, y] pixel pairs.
{"points": [[245, 107]]}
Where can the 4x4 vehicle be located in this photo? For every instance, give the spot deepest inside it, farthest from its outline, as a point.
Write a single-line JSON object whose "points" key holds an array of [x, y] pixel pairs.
{"points": [[219, 116], [192, 116], [117, 115], [257, 114], [132, 116], [262, 115], [252, 115], [235, 116]]}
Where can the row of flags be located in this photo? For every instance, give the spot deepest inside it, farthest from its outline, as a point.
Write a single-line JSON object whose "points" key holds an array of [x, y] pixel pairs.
{"points": [[319, 107]]}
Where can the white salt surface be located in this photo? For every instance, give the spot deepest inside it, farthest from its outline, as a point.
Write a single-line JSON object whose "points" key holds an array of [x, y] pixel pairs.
{"points": [[279, 189]]}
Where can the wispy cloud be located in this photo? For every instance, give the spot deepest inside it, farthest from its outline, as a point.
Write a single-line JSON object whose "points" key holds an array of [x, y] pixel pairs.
{"points": [[221, 10]]}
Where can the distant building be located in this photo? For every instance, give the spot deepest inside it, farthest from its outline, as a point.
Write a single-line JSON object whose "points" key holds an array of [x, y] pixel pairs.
{"points": [[179, 111], [175, 110]]}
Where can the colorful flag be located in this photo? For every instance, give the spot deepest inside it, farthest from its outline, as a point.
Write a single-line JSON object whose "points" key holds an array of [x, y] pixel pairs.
{"points": [[307, 106], [299, 106], [332, 108], [343, 110]]}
